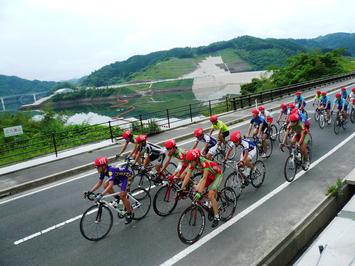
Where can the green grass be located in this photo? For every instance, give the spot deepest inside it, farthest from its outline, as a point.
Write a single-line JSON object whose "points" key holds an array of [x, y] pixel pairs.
{"points": [[348, 64], [173, 84], [229, 56], [172, 68]]}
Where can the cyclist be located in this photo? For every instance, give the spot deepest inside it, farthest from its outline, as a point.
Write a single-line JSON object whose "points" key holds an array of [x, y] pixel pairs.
{"points": [[129, 138], [351, 98], [325, 104], [152, 153], [299, 101], [341, 104], [222, 127], [261, 129], [266, 114], [210, 143], [300, 136], [344, 93], [211, 179], [116, 176], [248, 151], [316, 99], [174, 151], [283, 112]]}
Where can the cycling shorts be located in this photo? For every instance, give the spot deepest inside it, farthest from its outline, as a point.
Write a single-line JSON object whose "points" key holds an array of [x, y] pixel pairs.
{"points": [[305, 140], [251, 154], [214, 181]]}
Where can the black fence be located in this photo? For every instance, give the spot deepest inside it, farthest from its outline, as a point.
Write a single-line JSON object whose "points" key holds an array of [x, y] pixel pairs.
{"points": [[148, 123]]}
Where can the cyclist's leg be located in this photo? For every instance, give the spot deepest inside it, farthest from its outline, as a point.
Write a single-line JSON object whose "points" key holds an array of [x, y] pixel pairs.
{"points": [[303, 147], [212, 189]]}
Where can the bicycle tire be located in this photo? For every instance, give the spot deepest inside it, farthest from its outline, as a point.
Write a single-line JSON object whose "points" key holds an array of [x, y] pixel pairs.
{"points": [[257, 176], [352, 115], [281, 135], [97, 215], [170, 168], [336, 126], [316, 115], [141, 180], [218, 158], [290, 165], [321, 121], [269, 145], [169, 195], [233, 180], [143, 197], [273, 132], [226, 199], [191, 214]]}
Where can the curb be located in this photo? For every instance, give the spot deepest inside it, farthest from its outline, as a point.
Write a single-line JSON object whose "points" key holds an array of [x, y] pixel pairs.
{"points": [[287, 250], [64, 174]]}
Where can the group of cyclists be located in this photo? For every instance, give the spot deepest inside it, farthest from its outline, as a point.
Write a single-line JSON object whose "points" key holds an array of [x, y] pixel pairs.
{"points": [[145, 153]]}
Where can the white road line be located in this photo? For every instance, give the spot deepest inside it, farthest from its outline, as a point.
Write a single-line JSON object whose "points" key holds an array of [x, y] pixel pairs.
{"points": [[236, 218]]}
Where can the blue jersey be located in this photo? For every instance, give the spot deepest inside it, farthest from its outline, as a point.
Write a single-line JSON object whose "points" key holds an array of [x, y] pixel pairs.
{"points": [[344, 94], [299, 101], [208, 139], [248, 145], [325, 100], [117, 175], [256, 122], [341, 103]]}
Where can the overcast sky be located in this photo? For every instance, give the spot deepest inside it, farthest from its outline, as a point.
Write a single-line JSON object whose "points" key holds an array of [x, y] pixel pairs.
{"points": [[64, 39]]}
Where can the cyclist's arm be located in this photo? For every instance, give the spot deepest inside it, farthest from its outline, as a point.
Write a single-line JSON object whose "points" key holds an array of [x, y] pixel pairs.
{"points": [[123, 148], [285, 137], [195, 145], [166, 164], [279, 117], [205, 149], [134, 151], [249, 129], [245, 156], [96, 186], [211, 130], [302, 136], [108, 188]]}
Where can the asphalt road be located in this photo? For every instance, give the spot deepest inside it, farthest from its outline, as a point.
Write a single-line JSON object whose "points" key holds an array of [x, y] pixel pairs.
{"points": [[154, 239]]}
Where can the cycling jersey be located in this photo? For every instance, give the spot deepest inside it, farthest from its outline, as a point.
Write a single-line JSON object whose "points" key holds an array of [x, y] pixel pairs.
{"points": [[341, 103], [180, 154], [325, 102], [220, 125], [298, 128], [344, 94], [256, 122], [119, 175], [153, 151], [208, 139], [132, 139], [299, 101], [351, 96]]}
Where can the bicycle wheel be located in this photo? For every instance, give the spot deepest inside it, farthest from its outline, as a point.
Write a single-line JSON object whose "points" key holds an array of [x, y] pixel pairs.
{"points": [[227, 203], [218, 158], [290, 168], [165, 200], [281, 135], [305, 114], [273, 132], [234, 181], [191, 224], [337, 126], [269, 146], [321, 121], [141, 180], [96, 222], [258, 174], [316, 115], [352, 115], [140, 202], [171, 168]]}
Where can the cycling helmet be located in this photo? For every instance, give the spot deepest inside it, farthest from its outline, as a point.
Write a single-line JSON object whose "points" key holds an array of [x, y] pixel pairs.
{"points": [[255, 111], [343, 89], [198, 132], [324, 93], [100, 161], [141, 138], [294, 117], [294, 111], [213, 118], [127, 134], [353, 90], [283, 106], [298, 93], [353, 100], [337, 95], [318, 92], [235, 136], [291, 105], [261, 108], [193, 154], [169, 144]]}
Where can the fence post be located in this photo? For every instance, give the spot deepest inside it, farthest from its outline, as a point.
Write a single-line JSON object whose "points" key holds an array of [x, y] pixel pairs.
{"points": [[249, 100], [111, 134], [271, 97], [209, 107], [261, 97], [234, 104], [140, 119], [55, 145], [167, 115], [190, 112], [241, 102], [227, 104]]}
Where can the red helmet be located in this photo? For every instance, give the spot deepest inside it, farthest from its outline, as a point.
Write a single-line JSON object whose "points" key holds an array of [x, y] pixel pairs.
{"points": [[100, 161], [127, 134], [337, 95], [283, 106], [353, 100], [141, 138], [318, 92], [294, 117], [255, 111], [170, 143], [291, 105], [261, 108], [235, 136], [353, 90], [324, 93], [193, 154], [198, 132], [298, 93], [343, 89], [294, 111], [213, 118]]}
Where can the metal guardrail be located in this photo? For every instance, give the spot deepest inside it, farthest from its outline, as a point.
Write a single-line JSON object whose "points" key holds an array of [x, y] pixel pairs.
{"points": [[148, 123]]}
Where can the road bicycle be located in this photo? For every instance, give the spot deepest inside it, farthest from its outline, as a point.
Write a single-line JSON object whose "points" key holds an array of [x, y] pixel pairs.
{"points": [[192, 221], [339, 122], [323, 118], [272, 129], [96, 222], [295, 161], [352, 111], [259, 146], [239, 178]]}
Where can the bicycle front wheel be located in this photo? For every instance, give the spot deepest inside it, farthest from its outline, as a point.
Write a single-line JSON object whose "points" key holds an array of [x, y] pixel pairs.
{"points": [[316, 115], [281, 134], [290, 168], [235, 183], [140, 201], [337, 126], [191, 224], [171, 168], [218, 158], [141, 180], [273, 132], [258, 174], [321, 121], [165, 200], [96, 222], [269, 146], [352, 115], [227, 203]]}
